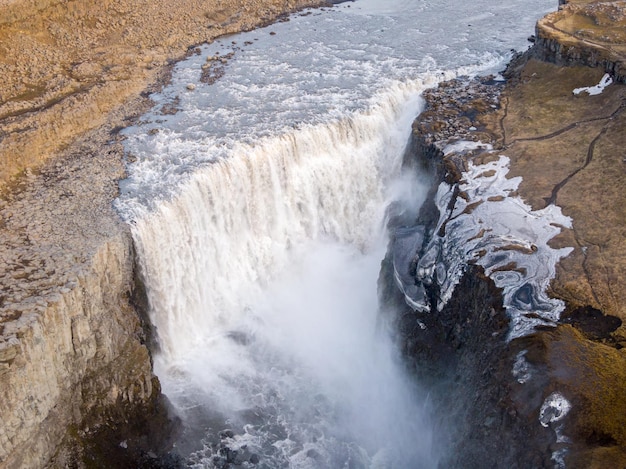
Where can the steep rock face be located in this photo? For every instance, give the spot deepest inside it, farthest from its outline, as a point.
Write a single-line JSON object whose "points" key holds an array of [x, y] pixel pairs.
{"points": [[82, 355], [560, 389], [585, 33], [73, 359], [460, 349], [76, 387]]}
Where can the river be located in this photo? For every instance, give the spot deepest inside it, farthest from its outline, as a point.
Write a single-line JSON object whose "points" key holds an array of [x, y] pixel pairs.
{"points": [[257, 192]]}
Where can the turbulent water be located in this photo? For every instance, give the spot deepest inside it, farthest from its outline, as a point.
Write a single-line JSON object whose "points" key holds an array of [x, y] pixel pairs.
{"points": [[257, 192]]}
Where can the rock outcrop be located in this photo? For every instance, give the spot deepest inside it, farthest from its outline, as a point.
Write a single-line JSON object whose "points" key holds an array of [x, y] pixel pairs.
{"points": [[560, 391], [73, 358], [589, 33], [77, 387]]}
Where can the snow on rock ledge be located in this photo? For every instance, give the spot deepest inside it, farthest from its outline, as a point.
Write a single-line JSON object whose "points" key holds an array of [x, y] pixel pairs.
{"points": [[483, 222], [597, 89]]}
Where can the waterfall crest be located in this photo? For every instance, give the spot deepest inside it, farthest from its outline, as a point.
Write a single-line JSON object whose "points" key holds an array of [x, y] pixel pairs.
{"points": [[232, 224], [261, 276]]}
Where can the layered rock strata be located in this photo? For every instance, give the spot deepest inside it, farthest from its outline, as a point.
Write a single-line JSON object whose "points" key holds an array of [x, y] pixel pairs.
{"points": [[77, 387], [555, 395], [585, 33]]}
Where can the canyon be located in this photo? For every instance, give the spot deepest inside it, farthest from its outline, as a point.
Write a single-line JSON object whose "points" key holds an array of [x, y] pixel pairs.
{"points": [[75, 338]]}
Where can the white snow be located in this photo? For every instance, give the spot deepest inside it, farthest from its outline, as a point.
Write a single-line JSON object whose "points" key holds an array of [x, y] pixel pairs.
{"points": [[466, 145], [496, 229], [597, 89], [554, 408]]}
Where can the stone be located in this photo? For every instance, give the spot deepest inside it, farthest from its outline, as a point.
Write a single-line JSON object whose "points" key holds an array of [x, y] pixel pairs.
{"points": [[73, 307], [567, 151]]}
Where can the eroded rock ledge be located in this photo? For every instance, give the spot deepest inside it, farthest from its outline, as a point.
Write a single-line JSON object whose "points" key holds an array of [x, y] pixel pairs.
{"points": [[76, 378], [585, 32], [555, 397]]}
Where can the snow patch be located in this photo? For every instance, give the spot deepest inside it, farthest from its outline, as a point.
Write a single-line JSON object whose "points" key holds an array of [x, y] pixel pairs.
{"points": [[491, 226], [597, 89], [521, 368], [466, 145], [554, 408]]}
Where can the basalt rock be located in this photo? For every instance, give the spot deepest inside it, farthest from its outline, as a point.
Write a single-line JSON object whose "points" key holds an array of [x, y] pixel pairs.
{"points": [[585, 33], [460, 351], [554, 396]]}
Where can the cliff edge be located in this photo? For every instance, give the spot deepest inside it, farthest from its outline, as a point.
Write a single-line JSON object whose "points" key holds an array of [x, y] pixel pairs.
{"points": [[551, 141], [77, 387]]}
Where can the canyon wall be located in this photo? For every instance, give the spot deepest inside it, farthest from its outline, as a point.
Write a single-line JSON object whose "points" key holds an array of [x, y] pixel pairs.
{"points": [[585, 33], [555, 395], [77, 387], [76, 373]]}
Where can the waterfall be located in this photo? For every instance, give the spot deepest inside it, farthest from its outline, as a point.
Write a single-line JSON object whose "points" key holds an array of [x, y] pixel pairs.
{"points": [[261, 276], [234, 222], [257, 194]]}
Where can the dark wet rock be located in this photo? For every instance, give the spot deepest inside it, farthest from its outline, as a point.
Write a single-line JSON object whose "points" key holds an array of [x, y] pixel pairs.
{"points": [[461, 352], [556, 397], [226, 434], [593, 323]]}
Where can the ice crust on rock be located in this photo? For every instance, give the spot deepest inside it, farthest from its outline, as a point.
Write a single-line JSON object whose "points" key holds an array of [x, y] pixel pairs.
{"points": [[521, 368], [465, 145], [491, 227], [554, 408]]}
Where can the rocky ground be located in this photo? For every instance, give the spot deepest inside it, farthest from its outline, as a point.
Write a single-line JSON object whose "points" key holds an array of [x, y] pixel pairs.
{"points": [[569, 150], [73, 73], [67, 64], [74, 367]]}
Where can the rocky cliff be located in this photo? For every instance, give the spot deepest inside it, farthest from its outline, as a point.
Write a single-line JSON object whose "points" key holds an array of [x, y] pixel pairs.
{"points": [[77, 388], [553, 394], [586, 33]]}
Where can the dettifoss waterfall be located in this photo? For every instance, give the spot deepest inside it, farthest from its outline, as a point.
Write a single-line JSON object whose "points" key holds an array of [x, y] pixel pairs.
{"points": [[257, 194]]}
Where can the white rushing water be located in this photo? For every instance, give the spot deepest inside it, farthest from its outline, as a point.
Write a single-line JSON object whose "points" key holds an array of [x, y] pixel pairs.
{"points": [[257, 201]]}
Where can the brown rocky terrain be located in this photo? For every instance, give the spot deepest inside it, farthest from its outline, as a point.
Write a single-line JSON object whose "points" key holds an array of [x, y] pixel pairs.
{"points": [[76, 383], [73, 359], [589, 32], [570, 150], [66, 64]]}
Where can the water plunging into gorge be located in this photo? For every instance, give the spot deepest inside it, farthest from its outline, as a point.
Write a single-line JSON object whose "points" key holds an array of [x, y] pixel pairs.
{"points": [[257, 198], [290, 355]]}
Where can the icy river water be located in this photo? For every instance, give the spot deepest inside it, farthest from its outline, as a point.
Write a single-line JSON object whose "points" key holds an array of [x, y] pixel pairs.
{"points": [[257, 195]]}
